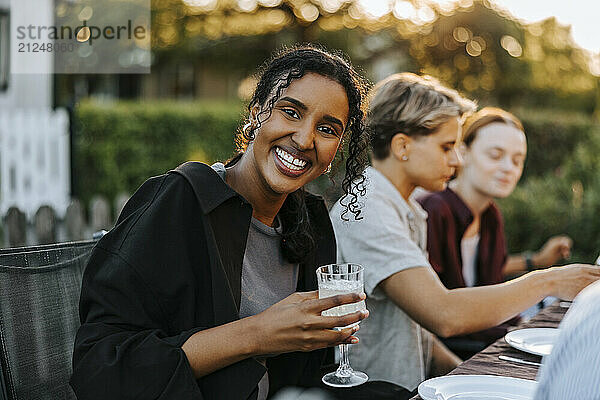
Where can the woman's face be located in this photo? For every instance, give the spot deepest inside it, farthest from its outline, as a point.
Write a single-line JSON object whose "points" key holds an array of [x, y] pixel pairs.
{"points": [[299, 140], [432, 159], [494, 162]]}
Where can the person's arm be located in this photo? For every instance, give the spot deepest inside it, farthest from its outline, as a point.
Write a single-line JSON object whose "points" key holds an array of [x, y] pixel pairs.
{"points": [[121, 349], [514, 264], [293, 324], [554, 250], [443, 360], [419, 292]]}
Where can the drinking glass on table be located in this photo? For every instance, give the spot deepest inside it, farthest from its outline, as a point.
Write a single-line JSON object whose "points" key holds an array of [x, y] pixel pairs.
{"points": [[337, 279]]}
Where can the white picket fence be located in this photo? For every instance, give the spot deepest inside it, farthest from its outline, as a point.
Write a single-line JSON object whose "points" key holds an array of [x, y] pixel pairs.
{"points": [[34, 160]]}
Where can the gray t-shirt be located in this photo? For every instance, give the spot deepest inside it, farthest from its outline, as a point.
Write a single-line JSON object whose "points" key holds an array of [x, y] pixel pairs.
{"points": [[266, 276], [391, 237]]}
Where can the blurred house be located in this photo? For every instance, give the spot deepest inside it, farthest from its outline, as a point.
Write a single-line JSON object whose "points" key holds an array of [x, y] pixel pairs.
{"points": [[34, 138]]}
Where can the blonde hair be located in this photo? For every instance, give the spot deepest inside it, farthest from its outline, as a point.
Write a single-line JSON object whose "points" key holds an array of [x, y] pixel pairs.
{"points": [[410, 104], [484, 117]]}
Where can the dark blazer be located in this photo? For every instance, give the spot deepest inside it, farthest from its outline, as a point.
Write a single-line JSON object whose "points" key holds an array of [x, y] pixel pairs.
{"points": [[171, 267]]}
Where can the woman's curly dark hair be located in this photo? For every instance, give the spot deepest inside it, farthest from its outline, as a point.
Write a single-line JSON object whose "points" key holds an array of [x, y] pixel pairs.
{"points": [[274, 77]]}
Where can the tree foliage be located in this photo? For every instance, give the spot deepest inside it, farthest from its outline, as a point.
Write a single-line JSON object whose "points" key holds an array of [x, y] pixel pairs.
{"points": [[473, 46]]}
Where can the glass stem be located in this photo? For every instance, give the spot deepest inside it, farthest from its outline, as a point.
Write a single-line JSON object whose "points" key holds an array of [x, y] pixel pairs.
{"points": [[344, 369]]}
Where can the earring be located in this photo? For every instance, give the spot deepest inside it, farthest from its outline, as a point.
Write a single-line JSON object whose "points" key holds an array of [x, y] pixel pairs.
{"points": [[328, 169], [405, 158], [248, 130]]}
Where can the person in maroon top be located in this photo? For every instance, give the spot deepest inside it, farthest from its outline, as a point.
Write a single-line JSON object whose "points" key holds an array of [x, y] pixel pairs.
{"points": [[465, 229]]}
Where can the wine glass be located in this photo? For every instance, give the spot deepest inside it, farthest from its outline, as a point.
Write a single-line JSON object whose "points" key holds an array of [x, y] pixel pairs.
{"points": [[337, 279]]}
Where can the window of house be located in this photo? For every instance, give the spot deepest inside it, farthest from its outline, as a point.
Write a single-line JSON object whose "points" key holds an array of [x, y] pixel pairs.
{"points": [[4, 49]]}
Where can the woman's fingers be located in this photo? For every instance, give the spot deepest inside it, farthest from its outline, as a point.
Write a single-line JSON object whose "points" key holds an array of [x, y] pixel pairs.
{"points": [[335, 301], [567, 243], [554, 249], [350, 340], [328, 322], [573, 278], [295, 323], [314, 294], [328, 338]]}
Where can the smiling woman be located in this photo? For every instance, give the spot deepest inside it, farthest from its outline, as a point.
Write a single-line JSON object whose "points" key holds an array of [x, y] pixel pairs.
{"points": [[299, 138], [303, 108], [200, 289]]}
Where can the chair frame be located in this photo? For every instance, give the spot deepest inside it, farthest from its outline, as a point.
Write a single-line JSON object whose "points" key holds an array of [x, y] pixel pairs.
{"points": [[18, 251]]}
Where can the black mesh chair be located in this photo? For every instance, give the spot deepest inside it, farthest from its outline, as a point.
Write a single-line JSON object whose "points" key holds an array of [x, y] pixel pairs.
{"points": [[39, 317]]}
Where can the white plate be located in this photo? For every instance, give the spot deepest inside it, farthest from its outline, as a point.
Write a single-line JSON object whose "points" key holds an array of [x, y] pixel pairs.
{"points": [[538, 341], [477, 387]]}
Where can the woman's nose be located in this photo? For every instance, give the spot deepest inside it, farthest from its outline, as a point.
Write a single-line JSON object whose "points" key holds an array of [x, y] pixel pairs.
{"points": [[507, 164], [304, 138], [455, 158]]}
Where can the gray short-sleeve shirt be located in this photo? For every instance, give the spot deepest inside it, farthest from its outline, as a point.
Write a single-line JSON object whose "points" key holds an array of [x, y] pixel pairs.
{"points": [[391, 237]]}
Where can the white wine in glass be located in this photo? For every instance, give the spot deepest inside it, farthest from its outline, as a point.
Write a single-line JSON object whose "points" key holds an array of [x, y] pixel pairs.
{"points": [[337, 279]]}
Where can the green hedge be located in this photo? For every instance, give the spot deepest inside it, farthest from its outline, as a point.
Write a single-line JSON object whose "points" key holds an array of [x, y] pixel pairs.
{"points": [[119, 145], [552, 136], [563, 200]]}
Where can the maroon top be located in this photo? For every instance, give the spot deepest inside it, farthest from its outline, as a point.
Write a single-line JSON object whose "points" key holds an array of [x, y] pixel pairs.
{"points": [[449, 217]]}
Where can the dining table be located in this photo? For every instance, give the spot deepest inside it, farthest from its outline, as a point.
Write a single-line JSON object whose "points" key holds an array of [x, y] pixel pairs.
{"points": [[487, 361]]}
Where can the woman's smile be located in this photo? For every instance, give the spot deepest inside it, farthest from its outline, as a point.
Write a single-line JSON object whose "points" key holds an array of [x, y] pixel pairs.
{"points": [[290, 163]]}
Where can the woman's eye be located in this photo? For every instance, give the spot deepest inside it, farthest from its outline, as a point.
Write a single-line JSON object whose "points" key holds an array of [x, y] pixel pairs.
{"points": [[327, 130], [291, 112], [495, 155]]}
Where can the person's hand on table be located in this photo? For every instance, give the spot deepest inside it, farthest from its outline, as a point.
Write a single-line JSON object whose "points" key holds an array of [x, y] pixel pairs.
{"points": [[569, 280], [295, 323], [554, 250]]}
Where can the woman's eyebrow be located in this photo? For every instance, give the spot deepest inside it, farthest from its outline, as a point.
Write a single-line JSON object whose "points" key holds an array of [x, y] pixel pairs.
{"points": [[333, 120], [294, 101], [503, 150]]}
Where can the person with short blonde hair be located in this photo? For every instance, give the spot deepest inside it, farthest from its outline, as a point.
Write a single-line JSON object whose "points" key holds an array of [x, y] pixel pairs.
{"points": [[412, 104], [418, 121]]}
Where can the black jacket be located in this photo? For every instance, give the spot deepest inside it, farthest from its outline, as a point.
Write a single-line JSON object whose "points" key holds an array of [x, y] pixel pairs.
{"points": [[172, 266]]}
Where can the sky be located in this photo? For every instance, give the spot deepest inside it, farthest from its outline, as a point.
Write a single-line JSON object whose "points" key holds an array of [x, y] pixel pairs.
{"points": [[582, 15]]}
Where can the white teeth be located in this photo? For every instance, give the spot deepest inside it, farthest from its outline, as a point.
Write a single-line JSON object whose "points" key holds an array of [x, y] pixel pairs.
{"points": [[290, 161]]}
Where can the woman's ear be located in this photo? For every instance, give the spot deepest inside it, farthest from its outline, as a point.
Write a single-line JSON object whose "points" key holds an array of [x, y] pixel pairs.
{"points": [[400, 146], [254, 111]]}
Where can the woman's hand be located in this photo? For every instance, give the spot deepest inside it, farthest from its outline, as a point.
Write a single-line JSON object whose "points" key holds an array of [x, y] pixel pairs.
{"points": [[555, 249], [295, 323], [569, 280]]}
